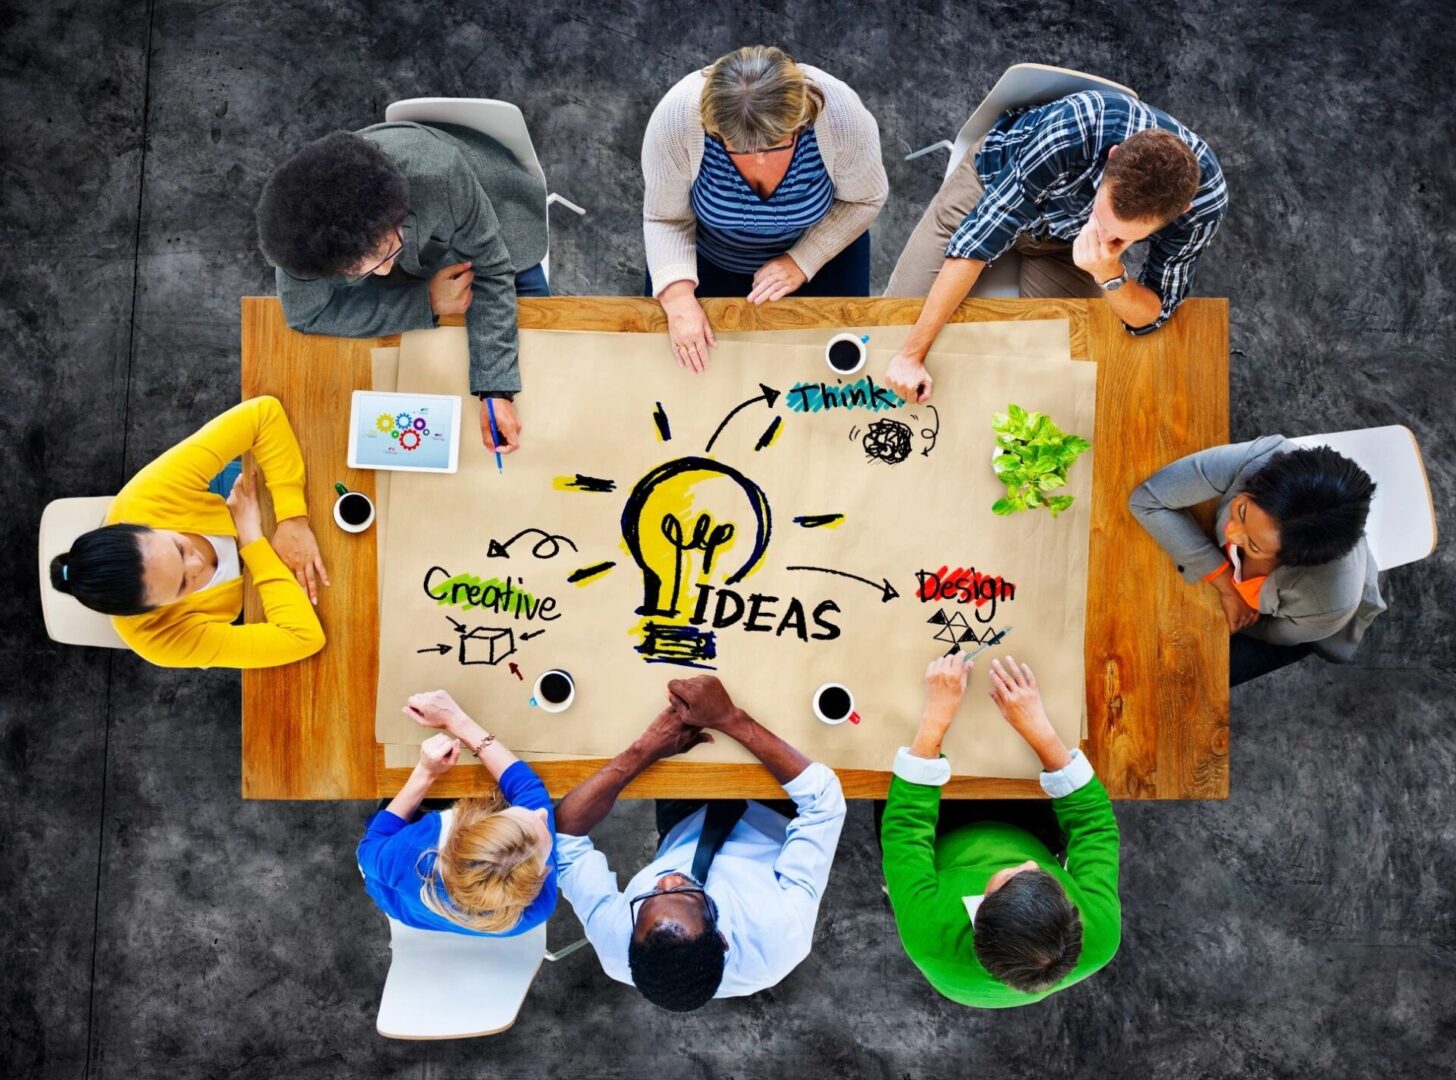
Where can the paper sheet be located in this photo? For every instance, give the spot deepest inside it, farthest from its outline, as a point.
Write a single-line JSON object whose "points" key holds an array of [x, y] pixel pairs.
{"points": [[919, 514]]}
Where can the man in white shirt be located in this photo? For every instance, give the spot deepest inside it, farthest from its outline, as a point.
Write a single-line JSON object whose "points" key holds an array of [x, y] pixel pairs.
{"points": [[728, 906]]}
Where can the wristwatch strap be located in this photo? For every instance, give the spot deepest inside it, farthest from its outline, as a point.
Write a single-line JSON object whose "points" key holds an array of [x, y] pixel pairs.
{"points": [[1113, 284]]}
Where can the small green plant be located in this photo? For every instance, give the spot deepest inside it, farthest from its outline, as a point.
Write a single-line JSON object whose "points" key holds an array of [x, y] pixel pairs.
{"points": [[1032, 459]]}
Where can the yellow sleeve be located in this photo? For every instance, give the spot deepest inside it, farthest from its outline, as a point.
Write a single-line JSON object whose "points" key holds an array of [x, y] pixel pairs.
{"points": [[292, 630], [259, 425]]}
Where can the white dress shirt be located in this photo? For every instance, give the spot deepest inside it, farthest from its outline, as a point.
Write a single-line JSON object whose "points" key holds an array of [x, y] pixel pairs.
{"points": [[767, 880]]}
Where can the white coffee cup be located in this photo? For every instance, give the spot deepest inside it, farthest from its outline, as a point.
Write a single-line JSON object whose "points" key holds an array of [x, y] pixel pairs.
{"points": [[539, 699], [848, 714], [853, 340], [346, 494]]}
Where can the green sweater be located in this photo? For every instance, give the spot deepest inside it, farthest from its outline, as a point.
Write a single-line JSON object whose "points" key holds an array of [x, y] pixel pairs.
{"points": [[927, 879]]}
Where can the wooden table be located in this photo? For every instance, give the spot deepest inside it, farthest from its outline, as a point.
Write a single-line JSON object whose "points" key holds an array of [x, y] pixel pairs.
{"points": [[1156, 649]]}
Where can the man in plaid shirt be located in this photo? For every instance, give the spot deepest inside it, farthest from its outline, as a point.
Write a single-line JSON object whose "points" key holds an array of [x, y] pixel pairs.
{"points": [[1069, 186]]}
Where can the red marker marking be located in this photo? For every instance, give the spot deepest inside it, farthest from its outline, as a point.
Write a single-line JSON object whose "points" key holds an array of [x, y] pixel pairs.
{"points": [[517, 671]]}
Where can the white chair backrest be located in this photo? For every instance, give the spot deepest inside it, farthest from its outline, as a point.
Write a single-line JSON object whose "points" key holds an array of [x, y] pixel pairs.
{"points": [[1402, 524], [501, 120], [66, 620], [1022, 86], [453, 986]]}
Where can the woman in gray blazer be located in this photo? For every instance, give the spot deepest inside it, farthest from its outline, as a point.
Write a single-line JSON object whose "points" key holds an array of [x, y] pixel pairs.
{"points": [[386, 229], [1288, 555]]}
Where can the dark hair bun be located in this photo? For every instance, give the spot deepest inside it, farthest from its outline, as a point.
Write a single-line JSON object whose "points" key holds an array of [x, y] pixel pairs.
{"points": [[59, 566]]}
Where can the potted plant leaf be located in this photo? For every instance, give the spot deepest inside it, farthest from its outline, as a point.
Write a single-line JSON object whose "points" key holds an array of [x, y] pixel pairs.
{"points": [[1031, 460]]}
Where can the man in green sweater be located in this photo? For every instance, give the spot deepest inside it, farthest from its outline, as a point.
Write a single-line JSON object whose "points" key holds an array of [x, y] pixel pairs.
{"points": [[985, 909]]}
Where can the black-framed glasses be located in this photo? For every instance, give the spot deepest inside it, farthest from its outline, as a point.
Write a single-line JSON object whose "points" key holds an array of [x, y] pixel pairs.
{"points": [[634, 906], [354, 279]]}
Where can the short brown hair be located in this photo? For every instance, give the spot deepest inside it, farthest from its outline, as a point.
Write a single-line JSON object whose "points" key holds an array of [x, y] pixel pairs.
{"points": [[1154, 176], [755, 97]]}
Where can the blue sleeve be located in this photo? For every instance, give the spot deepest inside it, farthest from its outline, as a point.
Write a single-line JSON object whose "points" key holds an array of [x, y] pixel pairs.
{"points": [[391, 847], [522, 787]]}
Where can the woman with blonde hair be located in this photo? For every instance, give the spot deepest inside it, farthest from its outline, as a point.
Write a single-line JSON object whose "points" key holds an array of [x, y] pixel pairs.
{"points": [[762, 178], [484, 866]]}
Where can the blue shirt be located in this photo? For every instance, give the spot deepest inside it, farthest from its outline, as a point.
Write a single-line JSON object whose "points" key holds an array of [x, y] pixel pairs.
{"points": [[1041, 168], [395, 856], [767, 881], [740, 230]]}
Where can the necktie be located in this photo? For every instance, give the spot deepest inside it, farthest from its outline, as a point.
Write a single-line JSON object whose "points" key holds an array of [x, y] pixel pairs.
{"points": [[722, 815]]}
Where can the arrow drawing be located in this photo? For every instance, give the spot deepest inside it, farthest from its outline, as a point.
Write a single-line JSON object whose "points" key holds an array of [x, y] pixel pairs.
{"points": [[441, 649], [516, 671], [769, 395], [887, 590], [498, 549], [533, 633]]}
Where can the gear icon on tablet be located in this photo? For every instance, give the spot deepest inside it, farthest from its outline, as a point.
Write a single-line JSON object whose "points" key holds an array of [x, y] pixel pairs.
{"points": [[384, 422], [402, 420], [409, 438], [419, 424]]}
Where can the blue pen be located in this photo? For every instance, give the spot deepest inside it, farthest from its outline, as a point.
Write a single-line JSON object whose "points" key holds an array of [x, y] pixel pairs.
{"points": [[494, 434]]}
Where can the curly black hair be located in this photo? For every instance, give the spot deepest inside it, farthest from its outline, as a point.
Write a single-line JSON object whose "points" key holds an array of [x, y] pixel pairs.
{"points": [[675, 971], [1028, 934], [329, 205], [1321, 500]]}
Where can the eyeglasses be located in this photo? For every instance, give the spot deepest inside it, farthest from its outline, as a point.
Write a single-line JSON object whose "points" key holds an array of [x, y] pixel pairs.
{"points": [[354, 279], [710, 909], [793, 141]]}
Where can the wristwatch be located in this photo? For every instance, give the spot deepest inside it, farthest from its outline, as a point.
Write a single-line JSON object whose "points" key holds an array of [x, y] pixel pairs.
{"points": [[1113, 284]]}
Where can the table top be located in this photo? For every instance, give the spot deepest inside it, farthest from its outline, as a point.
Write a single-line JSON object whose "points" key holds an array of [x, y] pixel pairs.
{"points": [[1156, 650]]}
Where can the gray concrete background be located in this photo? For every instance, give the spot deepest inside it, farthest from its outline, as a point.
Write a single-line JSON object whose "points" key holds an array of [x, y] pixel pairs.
{"points": [[157, 926]]}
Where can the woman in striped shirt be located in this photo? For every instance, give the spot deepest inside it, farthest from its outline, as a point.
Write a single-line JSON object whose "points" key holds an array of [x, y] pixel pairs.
{"points": [[762, 179]]}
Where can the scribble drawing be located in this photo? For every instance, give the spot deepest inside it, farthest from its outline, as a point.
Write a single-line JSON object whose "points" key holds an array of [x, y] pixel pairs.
{"points": [[929, 434], [685, 646], [579, 482], [548, 547], [888, 441], [664, 428]]}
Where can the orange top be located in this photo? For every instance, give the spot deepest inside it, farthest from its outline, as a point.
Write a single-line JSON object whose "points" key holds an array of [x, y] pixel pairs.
{"points": [[1249, 588]]}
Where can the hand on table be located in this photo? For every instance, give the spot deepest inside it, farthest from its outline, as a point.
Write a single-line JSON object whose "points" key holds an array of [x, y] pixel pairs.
{"points": [[775, 279], [1100, 258], [667, 735], [450, 289], [506, 422], [945, 686], [1014, 690], [910, 378], [242, 504], [297, 546], [437, 754], [687, 325], [436, 709], [1236, 610], [703, 702]]}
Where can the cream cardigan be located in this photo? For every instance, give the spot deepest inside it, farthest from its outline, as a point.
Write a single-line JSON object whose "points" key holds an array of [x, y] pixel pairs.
{"points": [[672, 152]]}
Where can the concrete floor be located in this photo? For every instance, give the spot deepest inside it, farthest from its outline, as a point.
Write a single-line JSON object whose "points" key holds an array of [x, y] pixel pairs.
{"points": [[157, 926]]}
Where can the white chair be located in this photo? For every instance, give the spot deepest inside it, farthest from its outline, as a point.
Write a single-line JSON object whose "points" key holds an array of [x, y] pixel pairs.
{"points": [[454, 986], [502, 121], [1402, 524], [66, 620], [1022, 86]]}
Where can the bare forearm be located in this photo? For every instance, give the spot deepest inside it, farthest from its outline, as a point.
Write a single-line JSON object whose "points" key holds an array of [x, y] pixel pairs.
{"points": [[407, 802], [952, 285], [781, 759], [1048, 747], [1135, 304], [589, 802], [495, 757]]}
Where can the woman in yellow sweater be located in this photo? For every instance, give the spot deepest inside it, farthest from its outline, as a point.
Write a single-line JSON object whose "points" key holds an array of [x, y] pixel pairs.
{"points": [[167, 565]]}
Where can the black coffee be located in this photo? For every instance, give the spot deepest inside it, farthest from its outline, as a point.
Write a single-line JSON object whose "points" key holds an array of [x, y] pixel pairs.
{"points": [[555, 687], [844, 356], [834, 703], [354, 508]]}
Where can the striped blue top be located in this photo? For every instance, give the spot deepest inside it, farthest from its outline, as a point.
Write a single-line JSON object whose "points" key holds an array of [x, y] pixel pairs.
{"points": [[738, 229]]}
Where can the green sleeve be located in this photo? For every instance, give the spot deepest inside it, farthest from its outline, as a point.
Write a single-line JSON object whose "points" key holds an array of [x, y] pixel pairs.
{"points": [[907, 837], [1090, 827]]}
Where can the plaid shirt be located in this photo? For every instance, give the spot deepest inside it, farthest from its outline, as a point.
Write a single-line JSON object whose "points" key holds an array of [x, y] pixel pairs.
{"points": [[1041, 168]]}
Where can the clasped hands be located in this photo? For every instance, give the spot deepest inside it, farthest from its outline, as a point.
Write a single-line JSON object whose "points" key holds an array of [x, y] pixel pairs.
{"points": [[696, 708], [293, 540]]}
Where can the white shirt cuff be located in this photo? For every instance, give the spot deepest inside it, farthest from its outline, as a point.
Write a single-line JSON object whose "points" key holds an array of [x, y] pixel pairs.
{"points": [[919, 770], [1075, 775]]}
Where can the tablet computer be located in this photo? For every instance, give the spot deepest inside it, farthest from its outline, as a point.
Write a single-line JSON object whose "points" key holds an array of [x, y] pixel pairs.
{"points": [[406, 432]]}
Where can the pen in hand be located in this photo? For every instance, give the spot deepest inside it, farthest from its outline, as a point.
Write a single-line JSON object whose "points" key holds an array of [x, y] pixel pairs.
{"points": [[495, 435]]}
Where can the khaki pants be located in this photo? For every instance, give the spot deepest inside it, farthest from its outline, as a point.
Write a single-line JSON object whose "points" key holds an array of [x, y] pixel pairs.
{"points": [[1046, 266]]}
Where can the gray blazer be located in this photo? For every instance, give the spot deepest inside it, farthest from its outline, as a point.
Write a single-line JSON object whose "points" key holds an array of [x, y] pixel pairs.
{"points": [[469, 199], [1329, 605]]}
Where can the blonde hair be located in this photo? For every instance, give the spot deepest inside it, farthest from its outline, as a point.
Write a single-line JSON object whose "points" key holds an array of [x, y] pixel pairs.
{"points": [[756, 97], [489, 869]]}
